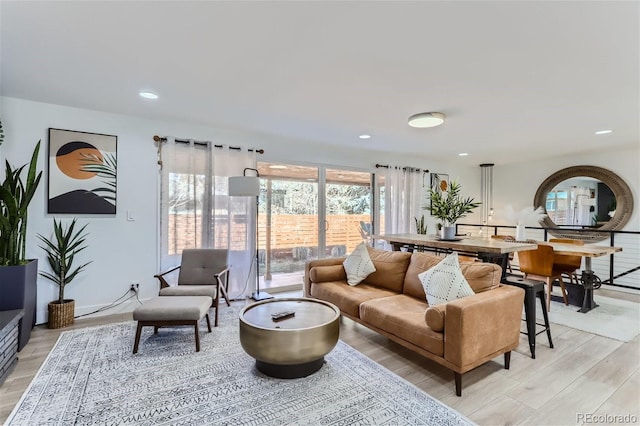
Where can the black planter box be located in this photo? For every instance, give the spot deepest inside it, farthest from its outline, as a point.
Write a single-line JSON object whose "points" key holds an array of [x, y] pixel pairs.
{"points": [[18, 290]]}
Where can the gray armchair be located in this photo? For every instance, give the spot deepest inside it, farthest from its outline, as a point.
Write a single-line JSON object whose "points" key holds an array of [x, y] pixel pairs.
{"points": [[203, 272]]}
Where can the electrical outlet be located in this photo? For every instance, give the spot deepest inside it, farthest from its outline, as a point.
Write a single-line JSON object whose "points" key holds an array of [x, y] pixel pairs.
{"points": [[135, 286]]}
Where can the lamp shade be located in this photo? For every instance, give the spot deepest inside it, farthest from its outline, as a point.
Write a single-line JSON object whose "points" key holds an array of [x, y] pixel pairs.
{"points": [[244, 186]]}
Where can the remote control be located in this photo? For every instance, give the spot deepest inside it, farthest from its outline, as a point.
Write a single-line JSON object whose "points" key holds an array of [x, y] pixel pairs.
{"points": [[278, 316]]}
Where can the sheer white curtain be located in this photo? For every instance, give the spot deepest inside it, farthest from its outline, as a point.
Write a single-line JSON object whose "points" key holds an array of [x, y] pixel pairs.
{"points": [[403, 198], [197, 212]]}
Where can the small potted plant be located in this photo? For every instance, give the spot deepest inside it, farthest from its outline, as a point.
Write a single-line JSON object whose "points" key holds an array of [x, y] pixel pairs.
{"points": [[61, 251], [449, 206], [421, 226]]}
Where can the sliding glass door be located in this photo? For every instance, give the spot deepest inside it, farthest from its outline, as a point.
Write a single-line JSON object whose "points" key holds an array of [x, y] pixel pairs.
{"points": [[308, 212], [348, 211]]}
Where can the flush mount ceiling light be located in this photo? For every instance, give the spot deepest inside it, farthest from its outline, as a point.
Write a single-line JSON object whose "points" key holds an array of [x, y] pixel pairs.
{"points": [[603, 132], [426, 119], [365, 136], [148, 95]]}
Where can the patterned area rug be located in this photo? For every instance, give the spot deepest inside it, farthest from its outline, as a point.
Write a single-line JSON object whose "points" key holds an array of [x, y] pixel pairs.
{"points": [[91, 377]]}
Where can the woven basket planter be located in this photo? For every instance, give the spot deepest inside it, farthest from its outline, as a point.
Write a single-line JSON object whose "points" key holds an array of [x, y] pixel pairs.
{"points": [[61, 315]]}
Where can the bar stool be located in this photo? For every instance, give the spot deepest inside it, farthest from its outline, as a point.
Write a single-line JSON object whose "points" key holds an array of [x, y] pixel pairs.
{"points": [[532, 288]]}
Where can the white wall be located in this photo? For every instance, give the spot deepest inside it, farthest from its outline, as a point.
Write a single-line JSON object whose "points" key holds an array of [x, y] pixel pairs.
{"points": [[123, 251]]}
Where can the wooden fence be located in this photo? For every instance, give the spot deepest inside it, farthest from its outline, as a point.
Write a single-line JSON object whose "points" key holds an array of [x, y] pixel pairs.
{"points": [[287, 232]]}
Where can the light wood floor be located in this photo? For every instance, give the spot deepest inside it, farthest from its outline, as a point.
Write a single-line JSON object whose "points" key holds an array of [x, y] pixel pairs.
{"points": [[584, 373]]}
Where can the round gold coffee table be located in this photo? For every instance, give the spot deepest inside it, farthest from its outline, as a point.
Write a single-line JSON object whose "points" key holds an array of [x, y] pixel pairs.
{"points": [[291, 347]]}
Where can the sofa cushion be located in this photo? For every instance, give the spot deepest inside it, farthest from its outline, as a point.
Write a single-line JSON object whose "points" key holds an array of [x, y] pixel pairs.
{"points": [[420, 262], [319, 274], [445, 281], [403, 316], [345, 297], [358, 265], [391, 267], [482, 276]]}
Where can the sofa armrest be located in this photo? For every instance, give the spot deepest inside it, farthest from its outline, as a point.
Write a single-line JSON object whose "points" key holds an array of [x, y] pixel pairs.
{"points": [[313, 263], [480, 325]]}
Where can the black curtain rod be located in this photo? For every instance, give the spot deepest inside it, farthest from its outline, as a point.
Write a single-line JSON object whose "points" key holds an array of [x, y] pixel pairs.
{"points": [[406, 168], [205, 143]]}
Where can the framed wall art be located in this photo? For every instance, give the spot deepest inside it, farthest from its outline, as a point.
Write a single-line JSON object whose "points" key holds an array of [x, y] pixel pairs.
{"points": [[439, 183], [82, 172]]}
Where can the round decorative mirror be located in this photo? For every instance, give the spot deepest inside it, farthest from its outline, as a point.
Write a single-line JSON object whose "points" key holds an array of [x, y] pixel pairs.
{"points": [[585, 197]]}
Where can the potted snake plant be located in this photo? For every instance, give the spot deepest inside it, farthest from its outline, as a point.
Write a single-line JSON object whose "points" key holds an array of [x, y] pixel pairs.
{"points": [[61, 250], [18, 275]]}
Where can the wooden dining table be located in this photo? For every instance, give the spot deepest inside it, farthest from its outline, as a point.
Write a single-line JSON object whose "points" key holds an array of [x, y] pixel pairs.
{"points": [[587, 277], [486, 249]]}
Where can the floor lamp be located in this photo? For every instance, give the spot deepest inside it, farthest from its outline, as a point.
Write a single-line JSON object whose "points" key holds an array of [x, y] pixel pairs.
{"points": [[249, 186]]}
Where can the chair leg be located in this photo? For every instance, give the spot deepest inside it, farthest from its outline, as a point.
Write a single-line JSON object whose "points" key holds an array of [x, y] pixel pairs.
{"points": [[507, 360], [458, 379], [549, 290], [208, 322], [216, 304], [546, 319], [224, 294], [137, 340], [197, 332], [564, 291]]}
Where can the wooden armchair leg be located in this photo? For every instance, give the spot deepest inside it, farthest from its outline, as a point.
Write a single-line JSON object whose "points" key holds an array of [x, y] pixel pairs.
{"points": [[224, 294], [564, 292]]}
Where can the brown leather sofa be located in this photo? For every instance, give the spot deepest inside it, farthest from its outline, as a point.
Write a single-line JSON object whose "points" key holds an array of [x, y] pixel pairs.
{"points": [[460, 335]]}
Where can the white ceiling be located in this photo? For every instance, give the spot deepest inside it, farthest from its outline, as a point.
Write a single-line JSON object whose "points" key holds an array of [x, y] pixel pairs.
{"points": [[515, 79]]}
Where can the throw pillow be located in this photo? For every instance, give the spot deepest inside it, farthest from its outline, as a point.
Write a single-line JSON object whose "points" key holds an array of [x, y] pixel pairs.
{"points": [[445, 281], [358, 265]]}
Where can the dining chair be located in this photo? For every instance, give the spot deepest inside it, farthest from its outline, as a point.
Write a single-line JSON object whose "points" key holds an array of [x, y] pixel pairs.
{"points": [[538, 264], [202, 272], [506, 238], [566, 263]]}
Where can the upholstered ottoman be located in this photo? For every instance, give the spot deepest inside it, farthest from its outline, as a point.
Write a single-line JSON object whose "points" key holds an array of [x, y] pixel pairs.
{"points": [[170, 311]]}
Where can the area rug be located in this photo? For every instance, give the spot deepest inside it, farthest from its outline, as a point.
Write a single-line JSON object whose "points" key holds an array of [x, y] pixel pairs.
{"points": [[91, 377], [613, 318]]}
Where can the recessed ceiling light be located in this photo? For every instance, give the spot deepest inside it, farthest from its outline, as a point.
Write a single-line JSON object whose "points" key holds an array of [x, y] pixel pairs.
{"points": [[603, 132], [365, 136], [277, 166], [148, 95], [426, 119], [463, 154]]}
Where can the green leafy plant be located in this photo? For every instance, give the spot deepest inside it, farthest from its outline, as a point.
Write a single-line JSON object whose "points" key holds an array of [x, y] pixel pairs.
{"points": [[15, 196], [421, 227], [61, 251], [449, 206], [105, 169]]}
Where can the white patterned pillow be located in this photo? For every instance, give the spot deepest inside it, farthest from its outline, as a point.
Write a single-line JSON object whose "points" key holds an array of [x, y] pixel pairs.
{"points": [[445, 282], [358, 265]]}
